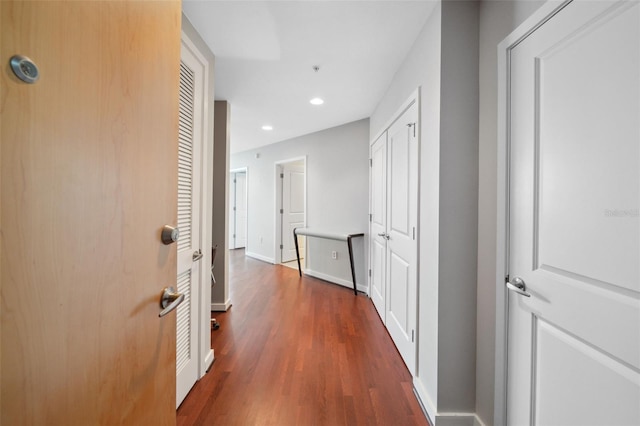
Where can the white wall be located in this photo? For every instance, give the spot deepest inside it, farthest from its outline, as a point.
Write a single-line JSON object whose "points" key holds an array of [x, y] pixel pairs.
{"points": [[497, 20], [337, 195], [422, 68]]}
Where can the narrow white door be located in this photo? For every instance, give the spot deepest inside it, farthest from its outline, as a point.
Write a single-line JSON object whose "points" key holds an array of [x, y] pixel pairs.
{"points": [[189, 183], [232, 210], [378, 245], [402, 217], [292, 209], [241, 210], [574, 344]]}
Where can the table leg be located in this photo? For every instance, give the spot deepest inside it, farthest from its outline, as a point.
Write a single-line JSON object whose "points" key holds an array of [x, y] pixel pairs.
{"points": [[353, 272], [295, 239]]}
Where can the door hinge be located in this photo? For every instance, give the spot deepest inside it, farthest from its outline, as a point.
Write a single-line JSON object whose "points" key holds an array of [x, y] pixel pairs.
{"points": [[414, 128], [281, 211], [370, 162], [234, 235], [412, 336], [234, 181], [414, 232], [281, 175], [234, 208], [370, 217], [281, 246], [369, 272]]}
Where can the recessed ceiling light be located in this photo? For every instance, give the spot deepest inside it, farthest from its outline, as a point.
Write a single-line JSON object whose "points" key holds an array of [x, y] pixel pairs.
{"points": [[316, 101], [267, 127]]}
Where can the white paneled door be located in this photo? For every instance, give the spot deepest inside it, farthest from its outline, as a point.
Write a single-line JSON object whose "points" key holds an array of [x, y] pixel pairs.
{"points": [[190, 139], [238, 210], [378, 245], [292, 209], [393, 232], [402, 218], [574, 321]]}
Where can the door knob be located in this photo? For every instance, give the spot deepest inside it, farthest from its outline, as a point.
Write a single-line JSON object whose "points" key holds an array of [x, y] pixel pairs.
{"points": [[169, 234], [170, 300], [517, 284]]}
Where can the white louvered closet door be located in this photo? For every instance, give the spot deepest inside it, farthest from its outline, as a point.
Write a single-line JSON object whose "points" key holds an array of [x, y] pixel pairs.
{"points": [[189, 182]]}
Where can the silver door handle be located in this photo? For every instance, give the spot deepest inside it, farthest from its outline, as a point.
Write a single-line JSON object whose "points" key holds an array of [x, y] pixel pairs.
{"points": [[197, 255], [170, 300], [384, 235], [517, 284]]}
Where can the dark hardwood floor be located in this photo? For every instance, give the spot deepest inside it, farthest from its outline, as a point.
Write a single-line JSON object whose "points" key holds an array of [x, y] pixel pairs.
{"points": [[299, 351]]}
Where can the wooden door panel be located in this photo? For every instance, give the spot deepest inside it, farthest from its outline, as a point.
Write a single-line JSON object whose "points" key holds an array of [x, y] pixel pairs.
{"points": [[88, 179]]}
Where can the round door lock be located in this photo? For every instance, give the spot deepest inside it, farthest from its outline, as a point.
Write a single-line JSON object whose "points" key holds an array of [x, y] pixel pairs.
{"points": [[24, 68], [169, 234]]}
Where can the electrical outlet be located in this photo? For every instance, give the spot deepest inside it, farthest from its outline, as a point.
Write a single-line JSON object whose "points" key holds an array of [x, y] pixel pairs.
{"points": [[334, 255]]}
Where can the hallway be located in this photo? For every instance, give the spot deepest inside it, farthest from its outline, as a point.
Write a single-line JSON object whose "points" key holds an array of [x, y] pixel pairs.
{"points": [[294, 351]]}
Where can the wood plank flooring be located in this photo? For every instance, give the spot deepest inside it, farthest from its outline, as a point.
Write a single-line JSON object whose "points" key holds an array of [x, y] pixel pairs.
{"points": [[299, 351]]}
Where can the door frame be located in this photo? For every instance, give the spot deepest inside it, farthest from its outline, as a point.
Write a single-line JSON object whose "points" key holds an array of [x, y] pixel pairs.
{"points": [[244, 170], [537, 19], [203, 293], [277, 229]]}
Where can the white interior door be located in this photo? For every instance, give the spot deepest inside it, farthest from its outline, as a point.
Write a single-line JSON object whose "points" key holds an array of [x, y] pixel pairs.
{"points": [[402, 217], [241, 210], [190, 140], [378, 245], [574, 344], [292, 209], [232, 210]]}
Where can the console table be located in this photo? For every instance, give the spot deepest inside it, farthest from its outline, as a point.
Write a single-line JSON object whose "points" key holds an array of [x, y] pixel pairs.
{"points": [[310, 232]]}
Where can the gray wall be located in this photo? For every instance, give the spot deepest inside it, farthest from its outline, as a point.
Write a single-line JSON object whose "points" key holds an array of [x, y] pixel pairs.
{"points": [[220, 292], [337, 195], [497, 20], [444, 62]]}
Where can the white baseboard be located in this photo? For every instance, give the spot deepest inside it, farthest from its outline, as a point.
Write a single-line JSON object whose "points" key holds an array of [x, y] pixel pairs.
{"points": [[260, 257], [442, 419], [424, 400], [221, 307], [336, 280], [456, 419], [208, 361]]}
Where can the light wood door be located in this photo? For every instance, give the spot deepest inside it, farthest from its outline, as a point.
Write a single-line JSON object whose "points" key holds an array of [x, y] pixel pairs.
{"points": [[88, 179], [378, 244], [402, 218], [292, 209], [574, 344], [190, 251]]}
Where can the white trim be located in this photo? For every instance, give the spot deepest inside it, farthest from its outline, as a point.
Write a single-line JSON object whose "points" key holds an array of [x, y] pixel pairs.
{"points": [[208, 360], [425, 402], [340, 281], [203, 292], [221, 307], [413, 97], [260, 257], [456, 419], [277, 231], [544, 13]]}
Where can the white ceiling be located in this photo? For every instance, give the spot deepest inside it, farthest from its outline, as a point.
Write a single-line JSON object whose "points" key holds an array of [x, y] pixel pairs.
{"points": [[265, 52]]}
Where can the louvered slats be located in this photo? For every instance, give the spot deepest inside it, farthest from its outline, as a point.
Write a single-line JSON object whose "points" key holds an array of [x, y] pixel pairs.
{"points": [[185, 155], [183, 322]]}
